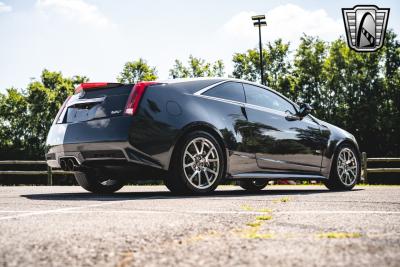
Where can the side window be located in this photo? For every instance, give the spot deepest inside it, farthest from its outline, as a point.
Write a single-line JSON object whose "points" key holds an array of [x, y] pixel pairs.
{"points": [[229, 90], [264, 98]]}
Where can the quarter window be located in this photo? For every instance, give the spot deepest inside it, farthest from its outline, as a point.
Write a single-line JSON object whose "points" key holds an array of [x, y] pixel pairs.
{"points": [[229, 90], [264, 98]]}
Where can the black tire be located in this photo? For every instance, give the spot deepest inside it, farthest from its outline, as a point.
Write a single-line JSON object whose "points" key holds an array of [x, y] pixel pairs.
{"points": [[93, 183], [176, 180], [174, 186], [253, 185], [334, 182]]}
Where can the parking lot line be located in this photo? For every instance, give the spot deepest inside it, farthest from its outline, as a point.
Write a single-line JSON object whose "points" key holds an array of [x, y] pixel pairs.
{"points": [[80, 209], [55, 211]]}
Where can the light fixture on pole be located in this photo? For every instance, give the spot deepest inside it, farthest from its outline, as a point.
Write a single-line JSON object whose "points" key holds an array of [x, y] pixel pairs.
{"points": [[259, 21]]}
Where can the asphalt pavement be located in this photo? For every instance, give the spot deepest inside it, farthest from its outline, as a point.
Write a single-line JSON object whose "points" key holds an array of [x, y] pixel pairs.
{"points": [[148, 226]]}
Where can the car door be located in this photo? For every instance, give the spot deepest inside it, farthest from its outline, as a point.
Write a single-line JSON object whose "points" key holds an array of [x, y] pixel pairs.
{"points": [[281, 140], [231, 98]]}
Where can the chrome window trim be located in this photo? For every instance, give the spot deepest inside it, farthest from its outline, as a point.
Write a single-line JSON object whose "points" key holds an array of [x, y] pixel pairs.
{"points": [[205, 89], [201, 91], [269, 110], [222, 100], [277, 112]]}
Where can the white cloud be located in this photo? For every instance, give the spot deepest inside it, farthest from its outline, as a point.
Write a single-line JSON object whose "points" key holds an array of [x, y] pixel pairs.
{"points": [[5, 8], [288, 22], [77, 10]]}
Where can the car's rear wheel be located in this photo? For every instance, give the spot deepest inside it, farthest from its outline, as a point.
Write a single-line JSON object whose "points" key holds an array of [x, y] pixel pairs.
{"points": [[197, 166], [96, 183], [345, 170], [253, 185]]}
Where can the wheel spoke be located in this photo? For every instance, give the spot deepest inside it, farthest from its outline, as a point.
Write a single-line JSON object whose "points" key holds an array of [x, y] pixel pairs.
{"points": [[199, 177], [189, 164], [193, 175], [202, 147], [190, 155], [208, 177], [212, 171], [208, 154], [197, 149]]}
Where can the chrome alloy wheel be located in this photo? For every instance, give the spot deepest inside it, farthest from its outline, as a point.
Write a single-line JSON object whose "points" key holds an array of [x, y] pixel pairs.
{"points": [[347, 166], [201, 163]]}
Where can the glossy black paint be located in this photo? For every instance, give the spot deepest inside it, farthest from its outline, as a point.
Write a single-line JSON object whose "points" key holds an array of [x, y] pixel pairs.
{"points": [[259, 142]]}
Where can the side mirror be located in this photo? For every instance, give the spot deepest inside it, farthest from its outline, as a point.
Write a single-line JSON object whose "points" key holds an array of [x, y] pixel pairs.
{"points": [[304, 110]]}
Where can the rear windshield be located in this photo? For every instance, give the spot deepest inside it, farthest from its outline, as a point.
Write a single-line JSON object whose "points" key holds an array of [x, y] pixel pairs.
{"points": [[96, 104]]}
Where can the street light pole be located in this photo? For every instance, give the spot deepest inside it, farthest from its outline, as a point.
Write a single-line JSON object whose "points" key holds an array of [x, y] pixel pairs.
{"points": [[259, 21], [261, 57]]}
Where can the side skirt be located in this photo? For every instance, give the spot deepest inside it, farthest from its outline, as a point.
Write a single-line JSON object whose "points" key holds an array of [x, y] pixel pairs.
{"points": [[277, 176]]}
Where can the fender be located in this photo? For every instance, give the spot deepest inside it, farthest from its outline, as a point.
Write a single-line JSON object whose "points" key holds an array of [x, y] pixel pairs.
{"points": [[333, 150], [201, 125]]}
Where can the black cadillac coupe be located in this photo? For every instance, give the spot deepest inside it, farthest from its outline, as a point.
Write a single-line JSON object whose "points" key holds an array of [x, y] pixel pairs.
{"points": [[195, 134]]}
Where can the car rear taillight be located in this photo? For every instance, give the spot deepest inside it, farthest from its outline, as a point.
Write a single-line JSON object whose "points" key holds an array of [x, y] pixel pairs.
{"points": [[87, 86], [134, 97], [61, 109]]}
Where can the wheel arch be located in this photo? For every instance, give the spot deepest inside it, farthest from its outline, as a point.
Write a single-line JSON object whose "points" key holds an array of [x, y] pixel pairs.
{"points": [[200, 126], [349, 142], [344, 141]]}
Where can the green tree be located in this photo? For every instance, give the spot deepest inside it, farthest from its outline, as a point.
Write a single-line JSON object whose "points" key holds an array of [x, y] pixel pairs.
{"points": [[335, 100], [389, 114], [13, 124], [26, 115], [277, 67], [135, 71], [247, 65], [197, 67], [308, 72]]}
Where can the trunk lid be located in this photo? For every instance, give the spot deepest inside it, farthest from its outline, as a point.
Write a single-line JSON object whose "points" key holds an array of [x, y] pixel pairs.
{"points": [[98, 101]]}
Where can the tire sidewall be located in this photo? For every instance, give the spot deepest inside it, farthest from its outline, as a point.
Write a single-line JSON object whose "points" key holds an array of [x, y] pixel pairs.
{"points": [[251, 187], [89, 181]]}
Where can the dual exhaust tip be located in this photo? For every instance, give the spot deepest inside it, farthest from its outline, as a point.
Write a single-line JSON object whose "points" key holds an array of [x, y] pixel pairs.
{"points": [[69, 164]]}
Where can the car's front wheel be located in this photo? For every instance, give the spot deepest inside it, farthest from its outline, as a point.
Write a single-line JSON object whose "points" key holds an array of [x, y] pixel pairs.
{"points": [[345, 170], [197, 166], [96, 183]]}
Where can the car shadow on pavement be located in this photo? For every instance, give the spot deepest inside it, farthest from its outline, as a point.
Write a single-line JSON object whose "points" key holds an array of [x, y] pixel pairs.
{"points": [[120, 196]]}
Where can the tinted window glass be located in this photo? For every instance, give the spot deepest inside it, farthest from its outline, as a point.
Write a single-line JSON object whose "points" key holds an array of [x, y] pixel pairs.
{"points": [[229, 90], [262, 97]]}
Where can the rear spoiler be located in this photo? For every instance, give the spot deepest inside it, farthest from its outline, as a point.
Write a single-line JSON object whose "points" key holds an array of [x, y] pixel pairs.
{"points": [[96, 85]]}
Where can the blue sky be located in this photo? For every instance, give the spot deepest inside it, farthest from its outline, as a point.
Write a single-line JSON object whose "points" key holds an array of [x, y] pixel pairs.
{"points": [[95, 38]]}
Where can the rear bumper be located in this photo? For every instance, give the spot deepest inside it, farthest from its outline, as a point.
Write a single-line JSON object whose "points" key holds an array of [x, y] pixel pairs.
{"points": [[99, 153], [104, 142]]}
